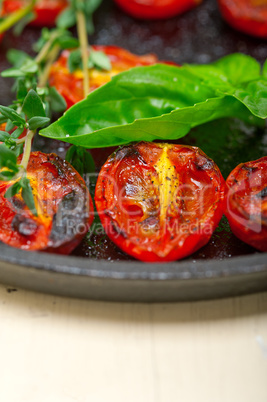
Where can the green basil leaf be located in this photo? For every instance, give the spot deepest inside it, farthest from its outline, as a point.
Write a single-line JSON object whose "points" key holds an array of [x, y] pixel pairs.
{"points": [[38, 122], [162, 102], [264, 69], [145, 103], [32, 105], [230, 70], [12, 115], [57, 102], [13, 190]]}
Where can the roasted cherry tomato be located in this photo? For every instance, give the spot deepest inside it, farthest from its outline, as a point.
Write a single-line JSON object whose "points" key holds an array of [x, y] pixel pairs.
{"points": [[156, 9], [159, 202], [249, 16], [46, 11], [63, 203], [247, 202], [70, 85]]}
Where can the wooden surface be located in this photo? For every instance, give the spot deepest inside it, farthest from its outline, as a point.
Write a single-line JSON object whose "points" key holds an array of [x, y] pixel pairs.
{"points": [[55, 349]]}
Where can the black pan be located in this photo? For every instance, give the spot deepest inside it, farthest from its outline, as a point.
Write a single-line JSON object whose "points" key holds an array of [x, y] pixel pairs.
{"points": [[97, 269]]}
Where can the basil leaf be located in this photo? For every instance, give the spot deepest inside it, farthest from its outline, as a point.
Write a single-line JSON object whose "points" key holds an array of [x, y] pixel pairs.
{"points": [[32, 105], [230, 70], [156, 102], [264, 69]]}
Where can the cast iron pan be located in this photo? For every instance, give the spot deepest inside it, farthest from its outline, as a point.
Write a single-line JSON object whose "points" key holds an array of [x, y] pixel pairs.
{"points": [[98, 269]]}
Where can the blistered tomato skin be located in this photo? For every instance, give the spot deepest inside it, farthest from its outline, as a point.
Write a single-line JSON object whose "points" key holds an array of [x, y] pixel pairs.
{"points": [[246, 200], [156, 9], [159, 202], [70, 85], [248, 16], [46, 11], [65, 209]]}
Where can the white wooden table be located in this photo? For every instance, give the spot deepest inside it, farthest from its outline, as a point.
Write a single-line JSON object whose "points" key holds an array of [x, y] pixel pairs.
{"points": [[56, 349]]}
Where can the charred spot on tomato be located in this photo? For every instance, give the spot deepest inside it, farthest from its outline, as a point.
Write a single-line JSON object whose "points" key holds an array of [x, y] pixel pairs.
{"points": [[17, 203], [156, 196], [63, 203], [262, 193], [24, 226]]}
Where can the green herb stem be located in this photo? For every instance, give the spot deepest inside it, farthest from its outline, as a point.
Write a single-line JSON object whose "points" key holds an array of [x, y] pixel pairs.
{"points": [[27, 150], [21, 141], [84, 45], [45, 50], [15, 17], [51, 57]]}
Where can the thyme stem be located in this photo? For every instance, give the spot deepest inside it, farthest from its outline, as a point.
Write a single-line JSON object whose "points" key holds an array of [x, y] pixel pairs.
{"points": [[27, 149], [51, 57], [82, 34], [45, 50], [15, 17]]}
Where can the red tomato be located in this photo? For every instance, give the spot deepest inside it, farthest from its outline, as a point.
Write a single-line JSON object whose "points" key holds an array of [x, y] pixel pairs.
{"points": [[159, 202], [46, 11], [249, 16], [1, 37], [247, 202], [70, 85], [156, 9], [65, 209]]}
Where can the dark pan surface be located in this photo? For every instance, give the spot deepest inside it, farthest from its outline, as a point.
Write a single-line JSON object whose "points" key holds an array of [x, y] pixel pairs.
{"points": [[98, 269]]}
